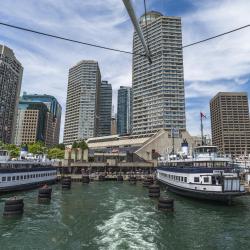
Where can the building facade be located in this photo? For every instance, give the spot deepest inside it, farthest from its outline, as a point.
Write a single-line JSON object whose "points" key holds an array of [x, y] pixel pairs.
{"points": [[105, 109], [11, 72], [158, 88], [32, 123], [55, 112], [124, 110], [82, 107], [230, 123]]}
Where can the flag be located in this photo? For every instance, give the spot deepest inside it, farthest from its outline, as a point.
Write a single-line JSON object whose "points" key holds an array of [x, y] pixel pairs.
{"points": [[202, 115]]}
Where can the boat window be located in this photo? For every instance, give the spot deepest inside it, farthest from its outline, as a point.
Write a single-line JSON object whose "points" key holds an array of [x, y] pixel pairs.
{"points": [[21, 177], [4, 178], [25, 177], [8, 178], [17, 178], [36, 175], [13, 178], [206, 179], [28, 176], [185, 179], [181, 178], [196, 179]]}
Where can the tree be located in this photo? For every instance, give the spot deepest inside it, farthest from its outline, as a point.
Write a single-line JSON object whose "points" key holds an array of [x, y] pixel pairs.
{"points": [[75, 145], [83, 145], [61, 146], [37, 148], [14, 151], [56, 153]]}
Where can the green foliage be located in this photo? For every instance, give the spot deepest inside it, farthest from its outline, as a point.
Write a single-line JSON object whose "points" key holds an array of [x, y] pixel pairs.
{"points": [[37, 148], [75, 145], [56, 153], [82, 144], [13, 150]]}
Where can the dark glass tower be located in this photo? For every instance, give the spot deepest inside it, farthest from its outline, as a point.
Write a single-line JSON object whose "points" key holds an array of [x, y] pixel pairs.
{"points": [[124, 110], [105, 108]]}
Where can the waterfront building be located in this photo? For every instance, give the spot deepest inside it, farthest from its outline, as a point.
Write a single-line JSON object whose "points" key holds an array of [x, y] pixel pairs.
{"points": [[34, 123], [105, 107], [82, 107], [53, 117], [230, 123], [124, 110], [11, 72], [158, 88], [113, 126]]}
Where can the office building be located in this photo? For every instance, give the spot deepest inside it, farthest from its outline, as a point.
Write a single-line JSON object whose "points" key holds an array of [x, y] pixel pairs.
{"points": [[158, 88], [105, 108], [11, 72], [124, 106], [230, 123], [33, 124], [82, 107], [54, 109]]}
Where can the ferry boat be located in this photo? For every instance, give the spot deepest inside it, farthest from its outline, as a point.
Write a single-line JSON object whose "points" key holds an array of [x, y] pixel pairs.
{"points": [[23, 174], [205, 175]]}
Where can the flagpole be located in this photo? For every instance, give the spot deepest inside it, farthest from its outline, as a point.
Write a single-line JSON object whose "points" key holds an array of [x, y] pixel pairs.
{"points": [[202, 141]]}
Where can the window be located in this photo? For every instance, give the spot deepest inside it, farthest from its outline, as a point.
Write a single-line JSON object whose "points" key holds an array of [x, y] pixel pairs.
{"points": [[4, 178], [17, 178], [185, 179], [206, 179], [25, 177], [181, 178], [196, 179], [28, 176], [8, 178], [36, 175], [21, 177]]}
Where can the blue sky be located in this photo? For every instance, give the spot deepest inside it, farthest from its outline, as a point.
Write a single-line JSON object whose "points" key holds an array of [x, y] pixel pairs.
{"points": [[219, 65]]}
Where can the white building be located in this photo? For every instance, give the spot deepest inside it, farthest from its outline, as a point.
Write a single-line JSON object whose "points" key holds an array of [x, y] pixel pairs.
{"points": [[158, 88], [81, 120]]}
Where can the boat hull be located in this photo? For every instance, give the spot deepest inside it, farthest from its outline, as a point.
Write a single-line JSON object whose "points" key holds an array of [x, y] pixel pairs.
{"points": [[197, 194]]}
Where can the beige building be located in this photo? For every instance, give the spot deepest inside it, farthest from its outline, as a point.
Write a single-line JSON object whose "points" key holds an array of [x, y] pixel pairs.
{"points": [[134, 148], [34, 123], [230, 123]]}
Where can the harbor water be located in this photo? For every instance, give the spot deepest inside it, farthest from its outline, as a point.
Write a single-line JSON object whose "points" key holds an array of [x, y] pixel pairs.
{"points": [[113, 215]]}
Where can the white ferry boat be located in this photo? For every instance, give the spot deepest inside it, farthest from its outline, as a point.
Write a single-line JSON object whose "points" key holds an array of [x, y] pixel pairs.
{"points": [[205, 176], [23, 174]]}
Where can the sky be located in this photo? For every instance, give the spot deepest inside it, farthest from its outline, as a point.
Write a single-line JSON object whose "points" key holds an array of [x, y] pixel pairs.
{"points": [[222, 64]]}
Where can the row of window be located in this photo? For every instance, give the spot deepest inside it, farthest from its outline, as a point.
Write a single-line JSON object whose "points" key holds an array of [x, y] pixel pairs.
{"points": [[24, 177], [175, 177]]}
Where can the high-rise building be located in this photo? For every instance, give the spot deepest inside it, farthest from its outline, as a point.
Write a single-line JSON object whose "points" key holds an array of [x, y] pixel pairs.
{"points": [[11, 72], [54, 109], [105, 107], [158, 88], [124, 106], [33, 123], [230, 123], [82, 107]]}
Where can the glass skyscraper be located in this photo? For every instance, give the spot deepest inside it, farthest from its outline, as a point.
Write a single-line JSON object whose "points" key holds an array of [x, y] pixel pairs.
{"points": [[105, 108], [124, 108], [158, 88]]}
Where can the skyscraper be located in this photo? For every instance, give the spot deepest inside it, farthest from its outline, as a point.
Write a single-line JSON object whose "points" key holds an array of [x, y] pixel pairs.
{"points": [[33, 123], [55, 110], [230, 123], [124, 105], [158, 88], [82, 106], [11, 72], [105, 107]]}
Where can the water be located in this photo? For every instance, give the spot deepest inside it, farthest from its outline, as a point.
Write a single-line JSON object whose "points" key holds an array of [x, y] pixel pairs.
{"points": [[111, 215]]}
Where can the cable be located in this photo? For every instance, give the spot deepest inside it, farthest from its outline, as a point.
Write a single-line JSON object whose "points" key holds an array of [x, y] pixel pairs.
{"points": [[68, 39], [145, 12], [213, 37], [117, 50]]}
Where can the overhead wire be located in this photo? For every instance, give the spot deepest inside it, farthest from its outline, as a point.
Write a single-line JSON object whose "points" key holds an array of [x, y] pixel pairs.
{"points": [[113, 49]]}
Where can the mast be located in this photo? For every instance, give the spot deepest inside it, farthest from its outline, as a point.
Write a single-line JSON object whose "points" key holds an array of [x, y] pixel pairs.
{"points": [[202, 137]]}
